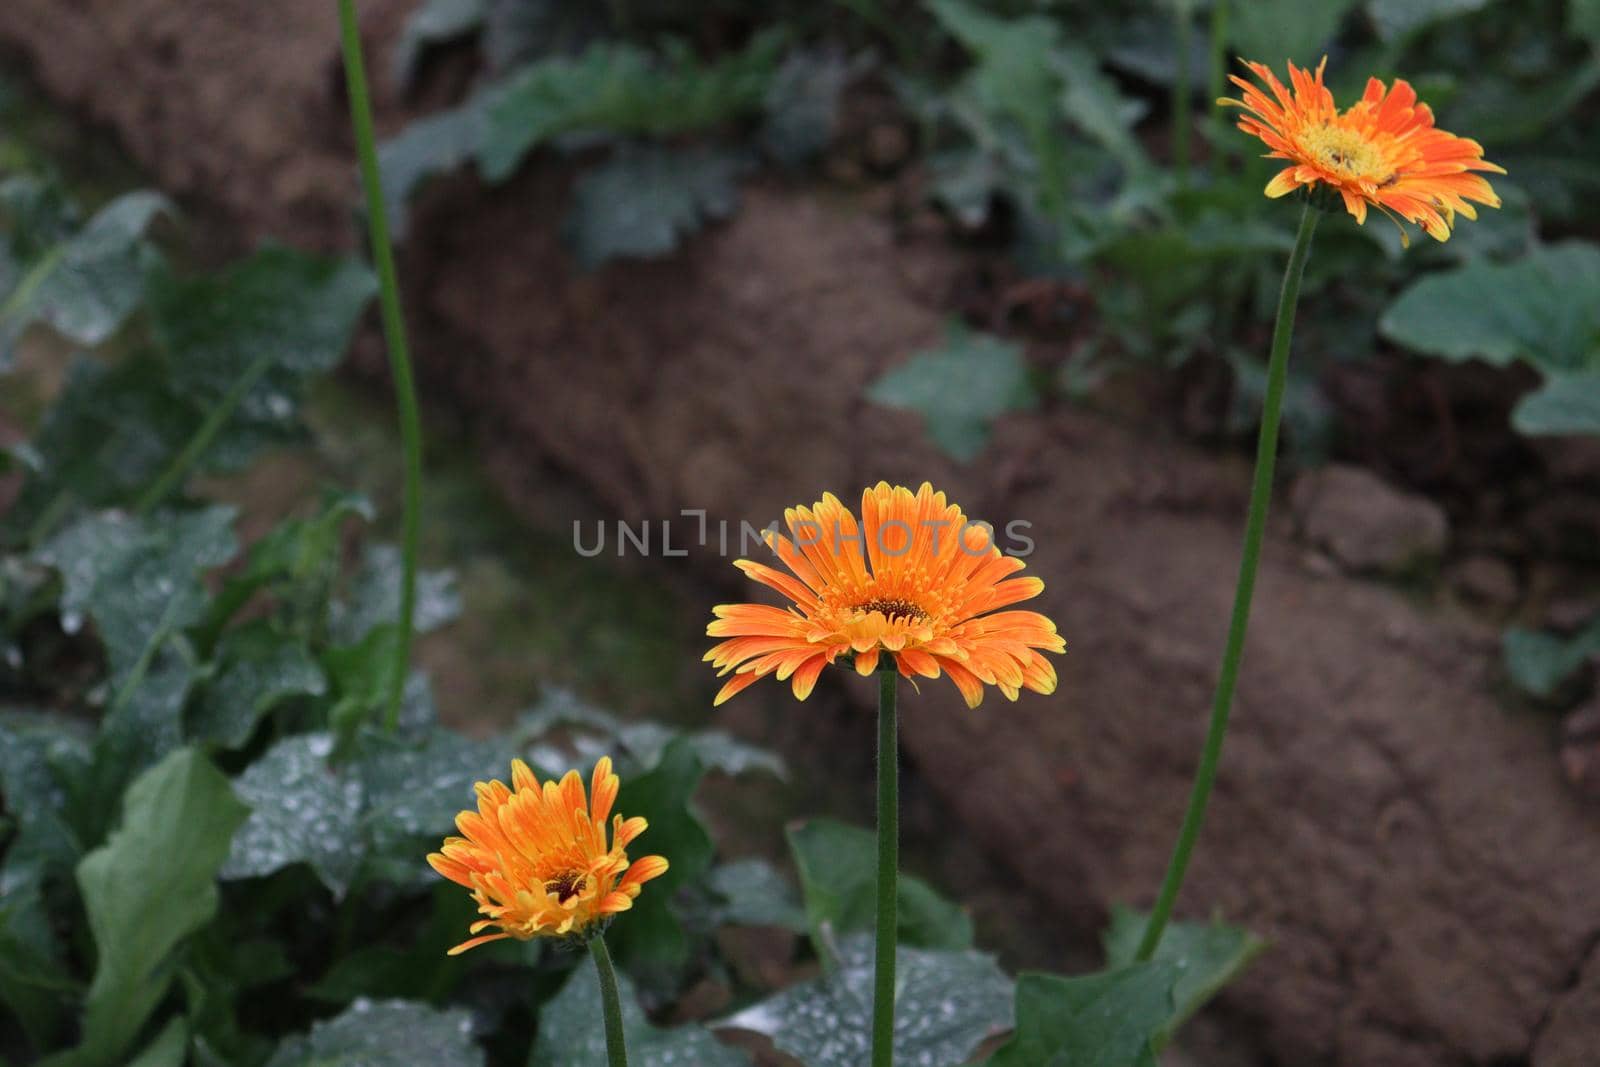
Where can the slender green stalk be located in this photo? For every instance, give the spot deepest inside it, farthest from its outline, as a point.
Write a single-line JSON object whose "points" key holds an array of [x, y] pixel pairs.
{"points": [[394, 335], [887, 930], [1217, 76], [215, 420], [1255, 525], [610, 1001], [1181, 120]]}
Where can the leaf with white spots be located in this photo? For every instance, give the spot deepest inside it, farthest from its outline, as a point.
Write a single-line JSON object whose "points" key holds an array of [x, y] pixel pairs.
{"points": [[946, 1005]]}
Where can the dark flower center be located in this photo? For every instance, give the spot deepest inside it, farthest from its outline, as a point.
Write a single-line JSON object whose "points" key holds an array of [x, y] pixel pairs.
{"points": [[892, 608], [565, 886]]}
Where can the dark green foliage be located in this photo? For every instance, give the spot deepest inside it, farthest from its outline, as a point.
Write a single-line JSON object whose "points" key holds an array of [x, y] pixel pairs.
{"points": [[1109, 1019], [151, 885], [1543, 309], [838, 874], [946, 1004], [384, 1033], [959, 389], [645, 200], [1207, 957], [81, 280], [569, 1037]]}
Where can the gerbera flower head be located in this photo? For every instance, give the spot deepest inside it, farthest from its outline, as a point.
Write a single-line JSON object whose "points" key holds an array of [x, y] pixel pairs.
{"points": [[913, 587], [537, 860], [1383, 151]]}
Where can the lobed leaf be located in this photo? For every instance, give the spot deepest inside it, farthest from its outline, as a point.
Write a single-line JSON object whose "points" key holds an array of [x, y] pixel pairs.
{"points": [[83, 283], [645, 200], [1112, 1018], [838, 868], [1206, 956], [946, 1005], [959, 388], [385, 1033], [570, 1033]]}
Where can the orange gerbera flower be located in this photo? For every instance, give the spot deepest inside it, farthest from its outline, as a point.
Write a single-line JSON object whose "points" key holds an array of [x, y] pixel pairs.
{"points": [[914, 580], [1383, 151], [536, 858]]}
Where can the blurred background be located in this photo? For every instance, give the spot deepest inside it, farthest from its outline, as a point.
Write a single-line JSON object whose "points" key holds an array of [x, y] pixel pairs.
{"points": [[709, 256]]}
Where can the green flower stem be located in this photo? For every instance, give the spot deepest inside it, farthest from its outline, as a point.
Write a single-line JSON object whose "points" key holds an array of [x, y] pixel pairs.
{"points": [[1219, 69], [887, 929], [1255, 525], [611, 1002], [1180, 92], [196, 447], [394, 335]]}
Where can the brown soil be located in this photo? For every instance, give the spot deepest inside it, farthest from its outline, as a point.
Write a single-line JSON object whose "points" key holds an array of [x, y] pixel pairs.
{"points": [[1408, 845]]}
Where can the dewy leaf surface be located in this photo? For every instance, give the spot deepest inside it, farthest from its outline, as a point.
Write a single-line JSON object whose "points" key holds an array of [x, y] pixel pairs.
{"points": [[86, 284], [302, 810], [571, 1035], [946, 1004], [385, 1033]]}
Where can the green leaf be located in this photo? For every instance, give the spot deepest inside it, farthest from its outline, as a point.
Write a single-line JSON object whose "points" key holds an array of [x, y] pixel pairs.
{"points": [[652, 939], [87, 283], [109, 433], [620, 89], [1207, 956], [1583, 18], [373, 597], [838, 868], [148, 888], [1108, 1019], [427, 148], [296, 312], [637, 746], [301, 811], [1566, 404], [1543, 309], [946, 1004], [169, 1049], [1092, 102], [1540, 664], [385, 1033], [301, 308], [415, 788], [434, 22], [40, 756], [35, 983], [1016, 76], [646, 199], [257, 668], [802, 104], [138, 578], [1395, 19], [298, 560], [1273, 32], [755, 893], [570, 1034], [959, 388]]}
